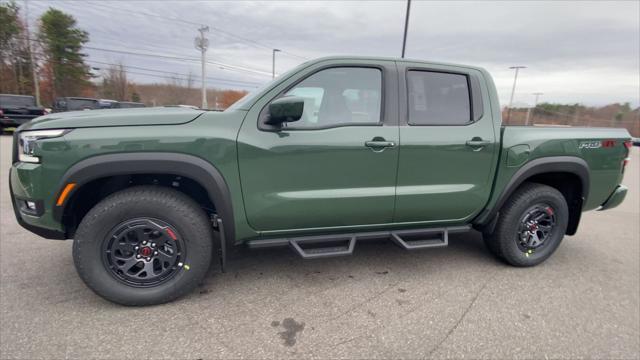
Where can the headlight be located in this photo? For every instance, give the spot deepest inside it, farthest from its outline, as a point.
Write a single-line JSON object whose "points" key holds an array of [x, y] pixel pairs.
{"points": [[28, 142]]}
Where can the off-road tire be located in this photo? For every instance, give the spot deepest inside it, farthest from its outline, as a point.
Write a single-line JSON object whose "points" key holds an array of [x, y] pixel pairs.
{"points": [[503, 242], [165, 204]]}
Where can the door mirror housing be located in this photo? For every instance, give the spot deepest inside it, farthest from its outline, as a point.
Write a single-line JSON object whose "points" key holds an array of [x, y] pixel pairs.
{"points": [[285, 109]]}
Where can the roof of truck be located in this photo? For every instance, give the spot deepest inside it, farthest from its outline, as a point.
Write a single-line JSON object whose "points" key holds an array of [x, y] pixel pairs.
{"points": [[382, 58]]}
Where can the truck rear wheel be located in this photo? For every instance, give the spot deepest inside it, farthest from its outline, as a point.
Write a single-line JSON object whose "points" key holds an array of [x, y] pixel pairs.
{"points": [[531, 225], [144, 245]]}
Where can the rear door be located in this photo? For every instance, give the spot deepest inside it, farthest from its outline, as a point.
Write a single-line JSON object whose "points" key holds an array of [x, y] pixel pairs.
{"points": [[335, 167], [448, 148]]}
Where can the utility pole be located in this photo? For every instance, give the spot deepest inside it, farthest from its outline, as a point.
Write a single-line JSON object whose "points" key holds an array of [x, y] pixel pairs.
{"points": [[202, 44], [535, 103], [406, 27], [34, 72], [513, 90], [273, 63]]}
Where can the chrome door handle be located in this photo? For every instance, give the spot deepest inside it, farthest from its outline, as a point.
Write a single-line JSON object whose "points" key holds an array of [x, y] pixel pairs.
{"points": [[379, 144], [477, 143]]}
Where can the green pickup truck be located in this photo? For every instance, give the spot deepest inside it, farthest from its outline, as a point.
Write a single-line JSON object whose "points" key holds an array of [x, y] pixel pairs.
{"points": [[336, 152]]}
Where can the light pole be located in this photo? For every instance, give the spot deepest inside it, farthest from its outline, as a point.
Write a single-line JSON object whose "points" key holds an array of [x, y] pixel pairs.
{"points": [[406, 27], [513, 90], [202, 44], [273, 63], [36, 84], [535, 103]]}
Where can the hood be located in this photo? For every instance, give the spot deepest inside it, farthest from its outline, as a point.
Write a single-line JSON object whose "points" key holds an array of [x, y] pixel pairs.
{"points": [[113, 117]]}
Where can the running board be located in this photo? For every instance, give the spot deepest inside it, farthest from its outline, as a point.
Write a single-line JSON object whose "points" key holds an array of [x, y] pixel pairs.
{"points": [[421, 239], [319, 246], [325, 246]]}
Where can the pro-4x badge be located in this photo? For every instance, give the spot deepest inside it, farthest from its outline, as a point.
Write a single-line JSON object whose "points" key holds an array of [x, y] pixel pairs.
{"points": [[590, 144]]}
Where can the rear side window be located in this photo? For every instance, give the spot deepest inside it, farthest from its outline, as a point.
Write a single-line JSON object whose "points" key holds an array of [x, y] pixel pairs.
{"points": [[437, 98]]}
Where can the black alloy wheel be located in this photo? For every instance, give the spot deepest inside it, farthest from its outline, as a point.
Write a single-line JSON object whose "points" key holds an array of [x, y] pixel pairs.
{"points": [[536, 226], [144, 252]]}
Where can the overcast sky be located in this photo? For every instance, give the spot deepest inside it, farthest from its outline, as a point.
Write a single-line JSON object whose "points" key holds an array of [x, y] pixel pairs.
{"points": [[575, 51]]}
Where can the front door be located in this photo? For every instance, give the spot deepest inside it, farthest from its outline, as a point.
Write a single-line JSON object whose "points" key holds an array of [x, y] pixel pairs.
{"points": [[449, 147], [336, 166]]}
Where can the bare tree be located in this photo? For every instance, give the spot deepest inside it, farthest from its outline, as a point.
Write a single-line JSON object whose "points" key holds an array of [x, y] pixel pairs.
{"points": [[115, 84]]}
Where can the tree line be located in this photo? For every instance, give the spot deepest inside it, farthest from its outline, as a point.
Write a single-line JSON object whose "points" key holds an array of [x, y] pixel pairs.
{"points": [[56, 47], [62, 70]]}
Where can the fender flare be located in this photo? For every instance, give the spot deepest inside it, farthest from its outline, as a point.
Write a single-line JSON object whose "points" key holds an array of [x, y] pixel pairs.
{"points": [[189, 166], [565, 164]]}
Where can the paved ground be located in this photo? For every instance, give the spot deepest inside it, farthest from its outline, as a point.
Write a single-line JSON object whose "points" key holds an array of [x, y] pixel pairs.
{"points": [[382, 302]]}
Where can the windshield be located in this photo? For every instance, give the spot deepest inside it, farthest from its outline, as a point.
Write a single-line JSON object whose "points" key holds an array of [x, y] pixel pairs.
{"points": [[249, 97], [17, 101], [245, 99]]}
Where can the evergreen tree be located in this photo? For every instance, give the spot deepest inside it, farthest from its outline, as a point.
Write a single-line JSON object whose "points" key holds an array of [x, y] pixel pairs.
{"points": [[62, 43]]}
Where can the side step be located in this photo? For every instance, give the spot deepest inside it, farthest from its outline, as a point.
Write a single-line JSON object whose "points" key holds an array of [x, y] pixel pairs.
{"points": [[319, 246], [421, 239], [325, 246]]}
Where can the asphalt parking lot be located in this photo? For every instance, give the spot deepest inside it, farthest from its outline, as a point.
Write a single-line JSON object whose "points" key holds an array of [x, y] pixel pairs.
{"points": [[383, 302]]}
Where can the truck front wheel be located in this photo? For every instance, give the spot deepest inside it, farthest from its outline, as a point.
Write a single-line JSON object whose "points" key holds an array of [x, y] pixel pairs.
{"points": [[144, 245], [531, 225]]}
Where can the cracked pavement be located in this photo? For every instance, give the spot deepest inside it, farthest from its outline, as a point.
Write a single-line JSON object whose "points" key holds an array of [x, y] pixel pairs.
{"points": [[382, 302]]}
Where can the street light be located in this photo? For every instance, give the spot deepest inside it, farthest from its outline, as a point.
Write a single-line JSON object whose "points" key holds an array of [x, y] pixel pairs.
{"points": [[406, 27], [513, 90], [535, 104], [273, 66]]}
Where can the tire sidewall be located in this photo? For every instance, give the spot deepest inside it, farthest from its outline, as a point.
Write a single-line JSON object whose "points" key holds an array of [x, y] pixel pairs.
{"points": [[118, 208]]}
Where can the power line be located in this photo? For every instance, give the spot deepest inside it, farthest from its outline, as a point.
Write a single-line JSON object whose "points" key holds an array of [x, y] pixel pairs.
{"points": [[226, 66], [164, 56], [184, 22], [161, 76], [229, 34], [213, 79], [170, 72]]}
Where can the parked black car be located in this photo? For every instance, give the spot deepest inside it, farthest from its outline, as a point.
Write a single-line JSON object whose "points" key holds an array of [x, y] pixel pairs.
{"points": [[16, 110], [113, 104], [75, 103], [108, 104]]}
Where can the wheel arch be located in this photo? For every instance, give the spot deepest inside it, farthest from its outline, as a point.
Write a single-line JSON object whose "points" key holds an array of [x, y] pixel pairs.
{"points": [[568, 174], [118, 166]]}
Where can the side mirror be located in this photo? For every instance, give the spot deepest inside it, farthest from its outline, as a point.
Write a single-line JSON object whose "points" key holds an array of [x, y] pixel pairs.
{"points": [[285, 109]]}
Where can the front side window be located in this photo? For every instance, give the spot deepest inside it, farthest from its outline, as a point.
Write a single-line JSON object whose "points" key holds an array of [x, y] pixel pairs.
{"points": [[338, 96], [437, 98]]}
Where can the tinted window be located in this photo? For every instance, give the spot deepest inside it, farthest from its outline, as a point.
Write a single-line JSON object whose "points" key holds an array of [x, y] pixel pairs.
{"points": [[82, 104], [17, 101], [339, 96], [438, 98]]}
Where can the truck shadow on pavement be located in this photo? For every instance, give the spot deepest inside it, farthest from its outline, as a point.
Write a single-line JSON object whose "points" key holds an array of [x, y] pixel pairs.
{"points": [[370, 258]]}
